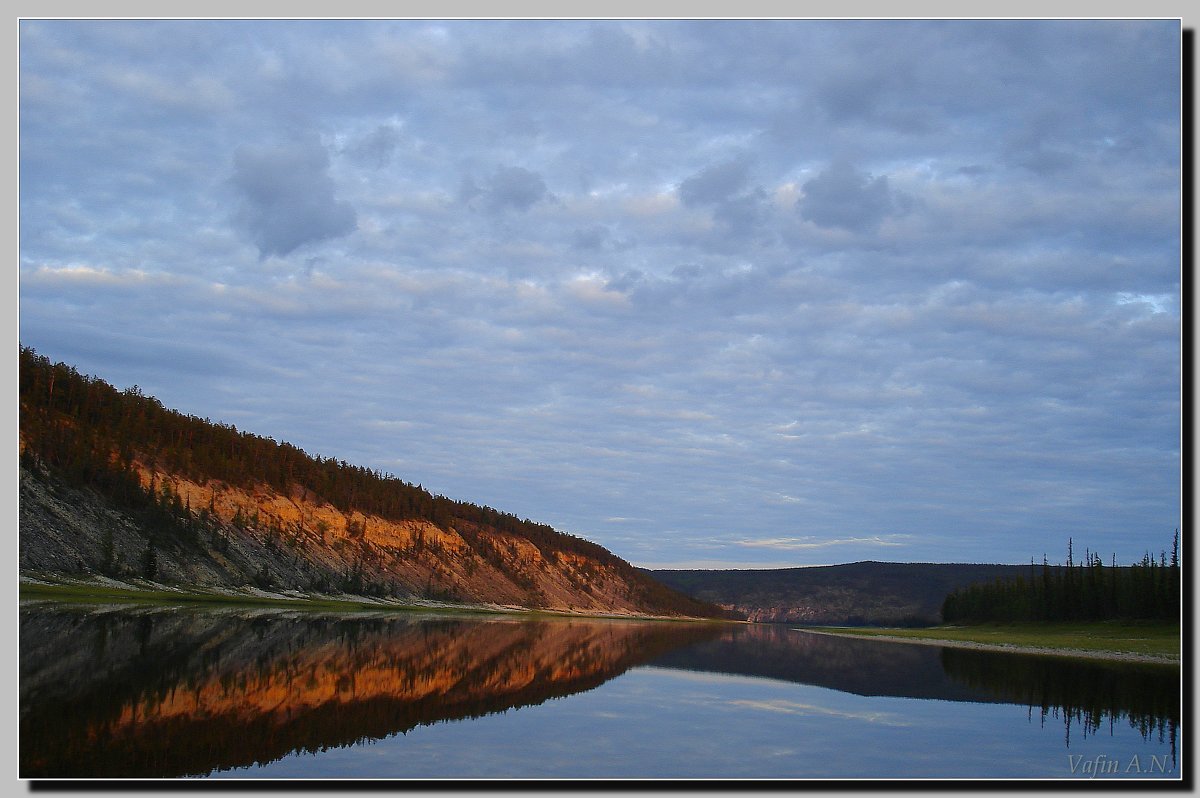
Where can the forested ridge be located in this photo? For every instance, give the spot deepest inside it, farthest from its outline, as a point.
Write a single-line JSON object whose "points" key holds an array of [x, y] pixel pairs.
{"points": [[93, 435], [924, 594], [90, 431], [852, 594], [1087, 590]]}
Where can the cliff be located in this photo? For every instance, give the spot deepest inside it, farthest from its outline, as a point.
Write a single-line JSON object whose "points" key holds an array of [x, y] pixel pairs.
{"points": [[114, 484]]}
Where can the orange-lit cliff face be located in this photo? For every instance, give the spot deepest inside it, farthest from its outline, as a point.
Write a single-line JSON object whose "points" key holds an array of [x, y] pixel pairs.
{"points": [[411, 555], [125, 695], [114, 484]]}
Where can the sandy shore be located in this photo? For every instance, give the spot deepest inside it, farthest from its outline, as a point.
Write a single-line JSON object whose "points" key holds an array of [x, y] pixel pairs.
{"points": [[1118, 656]]}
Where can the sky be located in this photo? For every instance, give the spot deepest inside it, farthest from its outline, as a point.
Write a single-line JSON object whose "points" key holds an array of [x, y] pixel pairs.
{"points": [[711, 293]]}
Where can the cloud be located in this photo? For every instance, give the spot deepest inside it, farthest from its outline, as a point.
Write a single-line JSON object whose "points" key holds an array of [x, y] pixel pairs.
{"points": [[852, 95], [509, 188], [715, 183], [738, 209], [287, 197], [596, 237], [659, 287], [377, 147], [810, 542], [843, 197], [741, 216]]}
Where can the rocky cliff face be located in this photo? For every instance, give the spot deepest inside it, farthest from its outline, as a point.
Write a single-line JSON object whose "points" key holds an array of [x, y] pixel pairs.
{"points": [[258, 537], [115, 484]]}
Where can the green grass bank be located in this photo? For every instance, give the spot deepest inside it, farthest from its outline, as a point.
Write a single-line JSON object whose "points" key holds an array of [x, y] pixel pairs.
{"points": [[83, 591], [1149, 639]]}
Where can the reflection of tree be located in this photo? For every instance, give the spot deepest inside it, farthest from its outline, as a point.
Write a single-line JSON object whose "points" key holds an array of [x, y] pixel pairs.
{"points": [[171, 693], [1085, 694], [1088, 695]]}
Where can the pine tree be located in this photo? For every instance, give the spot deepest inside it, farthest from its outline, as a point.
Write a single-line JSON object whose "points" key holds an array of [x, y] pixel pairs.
{"points": [[150, 560]]}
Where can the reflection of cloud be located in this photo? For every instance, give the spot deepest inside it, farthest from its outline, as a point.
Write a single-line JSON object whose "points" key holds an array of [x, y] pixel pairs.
{"points": [[794, 708], [811, 542]]}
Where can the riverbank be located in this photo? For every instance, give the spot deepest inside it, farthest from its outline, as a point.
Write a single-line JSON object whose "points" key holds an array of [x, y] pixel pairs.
{"points": [[1125, 642], [104, 589]]}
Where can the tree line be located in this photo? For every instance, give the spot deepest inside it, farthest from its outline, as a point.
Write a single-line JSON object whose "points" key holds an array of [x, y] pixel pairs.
{"points": [[1087, 590], [91, 433]]}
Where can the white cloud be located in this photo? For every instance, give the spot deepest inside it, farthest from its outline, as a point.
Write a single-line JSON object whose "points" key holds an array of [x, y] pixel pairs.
{"points": [[812, 542]]}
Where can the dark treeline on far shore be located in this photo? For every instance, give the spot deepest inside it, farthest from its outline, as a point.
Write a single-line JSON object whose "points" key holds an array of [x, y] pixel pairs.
{"points": [[1080, 591]]}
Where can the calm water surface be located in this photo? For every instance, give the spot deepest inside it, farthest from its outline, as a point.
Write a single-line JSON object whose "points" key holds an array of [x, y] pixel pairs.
{"points": [[127, 692]]}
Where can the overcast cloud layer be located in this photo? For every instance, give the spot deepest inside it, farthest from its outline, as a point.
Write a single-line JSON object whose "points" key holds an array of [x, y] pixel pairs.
{"points": [[761, 293]]}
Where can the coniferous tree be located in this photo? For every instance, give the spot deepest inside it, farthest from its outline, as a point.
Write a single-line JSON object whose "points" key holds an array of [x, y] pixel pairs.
{"points": [[1084, 591], [150, 560]]}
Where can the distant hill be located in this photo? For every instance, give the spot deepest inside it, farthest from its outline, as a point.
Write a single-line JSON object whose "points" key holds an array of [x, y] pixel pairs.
{"points": [[113, 484], [861, 593]]}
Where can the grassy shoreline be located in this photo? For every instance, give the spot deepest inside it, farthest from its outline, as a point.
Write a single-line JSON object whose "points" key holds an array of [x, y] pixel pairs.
{"points": [[82, 591], [1142, 641]]}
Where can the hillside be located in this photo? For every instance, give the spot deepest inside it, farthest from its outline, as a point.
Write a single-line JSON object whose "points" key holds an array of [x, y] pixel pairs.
{"points": [[874, 593], [114, 484]]}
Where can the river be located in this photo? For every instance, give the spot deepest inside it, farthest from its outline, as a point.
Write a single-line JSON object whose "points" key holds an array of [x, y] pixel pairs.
{"points": [[131, 692]]}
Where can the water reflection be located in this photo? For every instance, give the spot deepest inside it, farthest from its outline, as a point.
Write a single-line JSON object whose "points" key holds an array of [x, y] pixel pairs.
{"points": [[151, 692], [141, 692], [851, 665], [1090, 696], [1087, 695]]}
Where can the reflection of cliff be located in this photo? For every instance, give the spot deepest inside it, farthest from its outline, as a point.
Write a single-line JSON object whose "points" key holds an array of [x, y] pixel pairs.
{"points": [[170, 693], [1088, 695]]}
